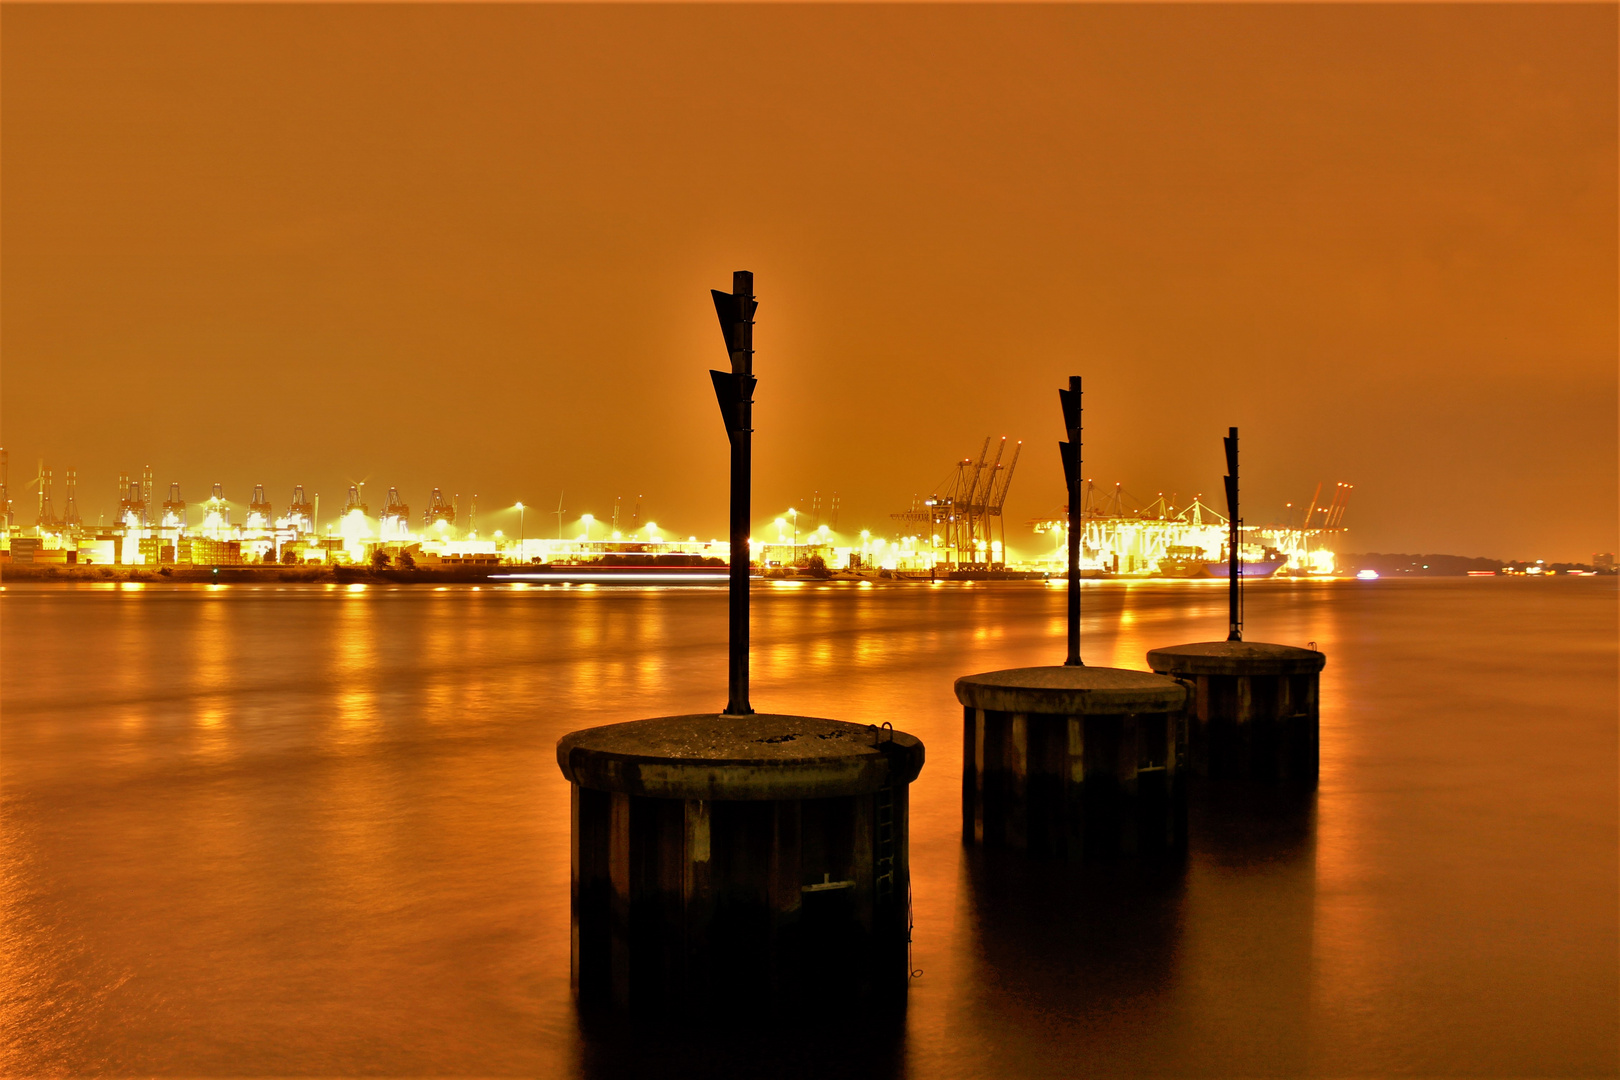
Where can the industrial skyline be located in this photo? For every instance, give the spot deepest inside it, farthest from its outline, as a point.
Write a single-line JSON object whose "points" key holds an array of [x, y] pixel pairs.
{"points": [[899, 510], [962, 520], [960, 525]]}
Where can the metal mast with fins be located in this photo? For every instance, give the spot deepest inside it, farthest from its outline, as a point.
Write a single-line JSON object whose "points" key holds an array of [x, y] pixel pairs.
{"points": [[1234, 536], [1072, 457], [734, 390]]}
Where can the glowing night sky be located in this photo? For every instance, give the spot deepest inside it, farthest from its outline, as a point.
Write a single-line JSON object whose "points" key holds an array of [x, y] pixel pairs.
{"points": [[470, 247]]}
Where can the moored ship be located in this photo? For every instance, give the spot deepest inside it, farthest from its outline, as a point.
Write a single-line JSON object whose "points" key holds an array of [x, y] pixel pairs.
{"points": [[1258, 569]]}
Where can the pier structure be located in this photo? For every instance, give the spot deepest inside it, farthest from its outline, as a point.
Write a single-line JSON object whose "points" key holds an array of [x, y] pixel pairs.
{"points": [[1251, 713], [739, 863], [1073, 761], [1252, 709], [753, 863], [1076, 762]]}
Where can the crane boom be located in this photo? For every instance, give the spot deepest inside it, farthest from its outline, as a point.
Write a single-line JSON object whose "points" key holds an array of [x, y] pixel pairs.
{"points": [[999, 499]]}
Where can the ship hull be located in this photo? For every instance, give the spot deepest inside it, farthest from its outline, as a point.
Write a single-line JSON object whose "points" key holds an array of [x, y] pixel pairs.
{"points": [[1250, 569]]}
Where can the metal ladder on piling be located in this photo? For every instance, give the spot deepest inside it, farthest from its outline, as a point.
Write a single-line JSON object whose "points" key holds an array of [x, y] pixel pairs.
{"points": [[884, 804]]}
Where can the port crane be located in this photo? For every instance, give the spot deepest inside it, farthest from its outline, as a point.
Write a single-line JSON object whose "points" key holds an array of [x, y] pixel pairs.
{"points": [[396, 516], [965, 518], [260, 513], [301, 515], [439, 510]]}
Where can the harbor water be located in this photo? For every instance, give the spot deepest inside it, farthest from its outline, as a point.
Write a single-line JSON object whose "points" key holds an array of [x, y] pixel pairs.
{"points": [[320, 830]]}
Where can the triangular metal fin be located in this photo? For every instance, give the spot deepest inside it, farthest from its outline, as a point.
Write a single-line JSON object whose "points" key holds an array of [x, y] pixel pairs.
{"points": [[1071, 410], [1071, 464], [725, 392], [729, 311]]}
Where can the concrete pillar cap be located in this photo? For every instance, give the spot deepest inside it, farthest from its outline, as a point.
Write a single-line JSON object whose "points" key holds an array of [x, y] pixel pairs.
{"points": [[1070, 691], [1235, 658], [763, 756]]}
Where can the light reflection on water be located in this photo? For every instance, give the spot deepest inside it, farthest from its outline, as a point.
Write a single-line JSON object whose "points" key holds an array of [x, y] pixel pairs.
{"points": [[318, 830]]}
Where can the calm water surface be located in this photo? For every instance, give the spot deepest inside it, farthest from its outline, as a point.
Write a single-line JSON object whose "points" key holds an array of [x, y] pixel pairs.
{"points": [[311, 830]]}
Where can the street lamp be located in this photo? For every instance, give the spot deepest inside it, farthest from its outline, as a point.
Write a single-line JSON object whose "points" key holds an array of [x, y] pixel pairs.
{"points": [[589, 521]]}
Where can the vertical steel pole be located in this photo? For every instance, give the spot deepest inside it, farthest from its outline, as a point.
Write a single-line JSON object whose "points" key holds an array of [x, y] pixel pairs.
{"points": [[1076, 522], [1234, 560], [742, 366]]}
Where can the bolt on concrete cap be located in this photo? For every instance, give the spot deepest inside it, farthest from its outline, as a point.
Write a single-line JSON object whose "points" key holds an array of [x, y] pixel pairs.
{"points": [[763, 756], [1235, 658], [1070, 691]]}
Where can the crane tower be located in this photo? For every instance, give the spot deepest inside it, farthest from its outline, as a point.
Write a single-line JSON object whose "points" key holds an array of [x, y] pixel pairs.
{"points": [[174, 509], [439, 510], [396, 516], [260, 513], [70, 513], [46, 518], [300, 515], [963, 519], [5, 491]]}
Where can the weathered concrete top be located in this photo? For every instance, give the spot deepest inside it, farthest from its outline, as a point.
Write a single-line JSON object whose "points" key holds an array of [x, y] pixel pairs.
{"points": [[765, 756], [1235, 658], [1070, 691]]}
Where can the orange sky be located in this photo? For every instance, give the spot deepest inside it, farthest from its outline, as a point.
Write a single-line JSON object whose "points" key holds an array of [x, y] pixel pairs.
{"points": [[470, 247]]}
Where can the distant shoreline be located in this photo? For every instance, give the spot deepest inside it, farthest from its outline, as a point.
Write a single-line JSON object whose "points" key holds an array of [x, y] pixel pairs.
{"points": [[1387, 566], [439, 575]]}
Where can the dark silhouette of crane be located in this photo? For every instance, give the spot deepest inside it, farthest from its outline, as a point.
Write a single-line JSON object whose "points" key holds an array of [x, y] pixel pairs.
{"points": [[964, 518]]}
